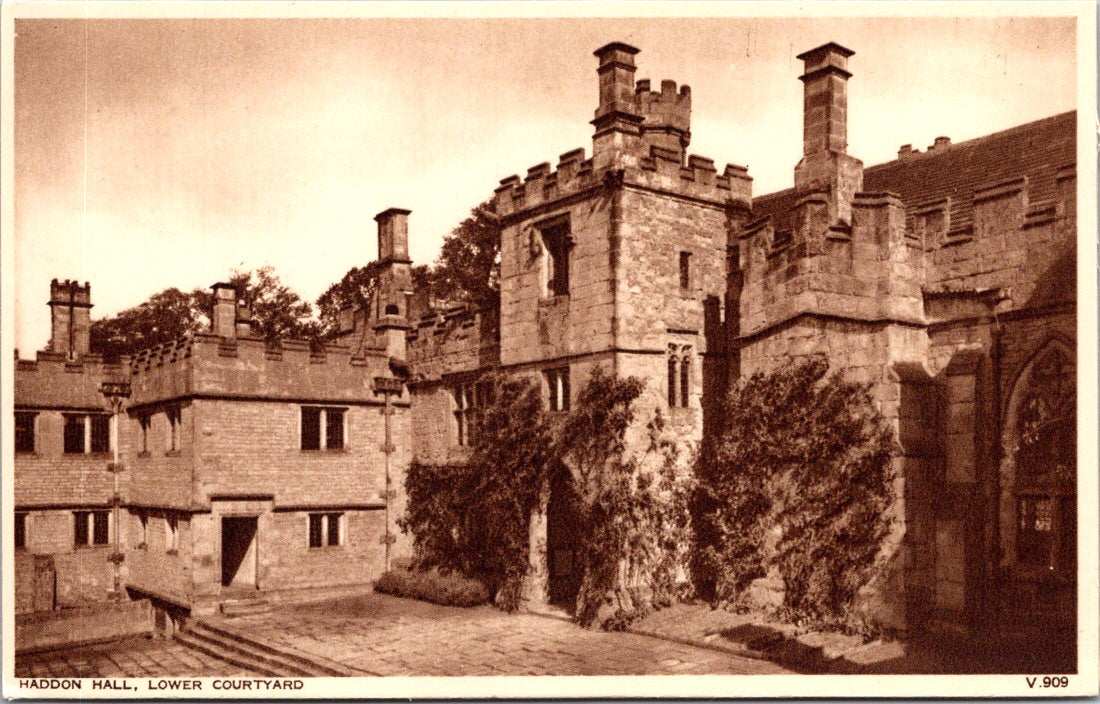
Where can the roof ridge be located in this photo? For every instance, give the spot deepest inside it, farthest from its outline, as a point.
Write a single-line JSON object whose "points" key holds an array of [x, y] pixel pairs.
{"points": [[1010, 131]]}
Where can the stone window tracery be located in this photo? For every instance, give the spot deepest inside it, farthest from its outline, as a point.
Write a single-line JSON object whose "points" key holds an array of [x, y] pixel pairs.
{"points": [[1045, 465]]}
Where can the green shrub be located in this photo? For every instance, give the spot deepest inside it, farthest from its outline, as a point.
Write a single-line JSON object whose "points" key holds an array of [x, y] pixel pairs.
{"points": [[434, 586], [805, 456]]}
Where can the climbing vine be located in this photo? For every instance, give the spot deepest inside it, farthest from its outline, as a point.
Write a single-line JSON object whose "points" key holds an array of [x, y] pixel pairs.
{"points": [[473, 517], [632, 507], [799, 482]]}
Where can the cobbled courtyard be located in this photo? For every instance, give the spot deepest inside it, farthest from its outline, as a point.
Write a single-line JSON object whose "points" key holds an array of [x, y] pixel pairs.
{"points": [[381, 635]]}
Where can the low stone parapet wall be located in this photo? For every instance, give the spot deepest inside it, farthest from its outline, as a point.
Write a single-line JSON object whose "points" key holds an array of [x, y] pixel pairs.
{"points": [[57, 629]]}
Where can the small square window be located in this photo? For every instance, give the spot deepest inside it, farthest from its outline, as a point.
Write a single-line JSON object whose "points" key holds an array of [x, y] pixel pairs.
{"points": [[90, 528], [143, 422], [100, 433], [20, 530], [24, 431], [558, 242], [74, 434], [175, 420], [322, 428], [324, 529]]}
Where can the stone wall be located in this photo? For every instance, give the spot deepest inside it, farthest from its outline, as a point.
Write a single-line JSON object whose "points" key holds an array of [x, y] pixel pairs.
{"points": [[89, 624]]}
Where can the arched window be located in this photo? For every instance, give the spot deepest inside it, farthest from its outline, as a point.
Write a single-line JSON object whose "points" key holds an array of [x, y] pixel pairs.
{"points": [[672, 378], [1046, 464], [685, 381]]}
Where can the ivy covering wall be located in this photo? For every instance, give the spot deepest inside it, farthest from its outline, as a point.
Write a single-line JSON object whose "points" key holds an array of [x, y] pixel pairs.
{"points": [[798, 483], [632, 506]]}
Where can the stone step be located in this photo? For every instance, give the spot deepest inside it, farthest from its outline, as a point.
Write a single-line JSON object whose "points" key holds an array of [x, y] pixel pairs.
{"points": [[228, 655], [231, 608], [311, 665], [285, 666]]}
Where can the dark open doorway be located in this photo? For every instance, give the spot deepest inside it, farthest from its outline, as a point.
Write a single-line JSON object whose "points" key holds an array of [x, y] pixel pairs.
{"points": [[239, 551], [562, 528]]}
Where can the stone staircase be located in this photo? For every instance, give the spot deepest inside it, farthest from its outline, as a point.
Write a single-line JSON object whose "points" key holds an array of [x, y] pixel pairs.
{"points": [[217, 639]]}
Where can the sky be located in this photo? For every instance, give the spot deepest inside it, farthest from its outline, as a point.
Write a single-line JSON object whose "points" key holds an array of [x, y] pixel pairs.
{"points": [[159, 153]]}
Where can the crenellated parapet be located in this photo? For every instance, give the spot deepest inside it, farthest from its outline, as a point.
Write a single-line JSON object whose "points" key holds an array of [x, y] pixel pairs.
{"points": [[54, 380], [657, 168], [799, 261], [455, 341], [209, 365], [666, 114]]}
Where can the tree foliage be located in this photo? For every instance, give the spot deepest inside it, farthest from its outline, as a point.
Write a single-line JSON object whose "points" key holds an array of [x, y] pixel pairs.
{"points": [[165, 316], [634, 505], [808, 456], [468, 266], [277, 311]]}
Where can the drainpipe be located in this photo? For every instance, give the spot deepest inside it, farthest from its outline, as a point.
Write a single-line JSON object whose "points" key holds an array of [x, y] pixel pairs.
{"points": [[388, 387], [115, 392]]}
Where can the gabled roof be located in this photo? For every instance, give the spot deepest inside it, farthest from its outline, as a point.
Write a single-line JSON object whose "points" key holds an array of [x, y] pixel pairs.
{"points": [[1035, 150]]}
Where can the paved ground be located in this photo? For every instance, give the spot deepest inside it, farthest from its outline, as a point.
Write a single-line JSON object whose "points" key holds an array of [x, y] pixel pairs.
{"points": [[383, 635], [135, 657]]}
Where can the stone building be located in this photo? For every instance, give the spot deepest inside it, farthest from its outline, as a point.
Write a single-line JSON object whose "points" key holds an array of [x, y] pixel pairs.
{"points": [[943, 278], [249, 470]]}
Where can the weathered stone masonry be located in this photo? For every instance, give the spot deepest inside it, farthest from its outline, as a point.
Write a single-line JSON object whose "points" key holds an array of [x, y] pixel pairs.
{"points": [[944, 279]]}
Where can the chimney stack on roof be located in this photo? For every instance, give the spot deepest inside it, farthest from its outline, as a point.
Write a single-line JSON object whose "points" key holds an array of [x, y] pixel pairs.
{"points": [[223, 319], [70, 317]]}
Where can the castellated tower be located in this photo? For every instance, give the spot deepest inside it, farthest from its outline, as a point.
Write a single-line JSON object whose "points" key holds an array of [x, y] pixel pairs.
{"points": [[619, 259]]}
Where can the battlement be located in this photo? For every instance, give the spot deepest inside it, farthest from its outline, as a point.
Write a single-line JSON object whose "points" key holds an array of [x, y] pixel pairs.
{"points": [[658, 168], [208, 364], [48, 362], [666, 109], [54, 380], [574, 173], [70, 292]]}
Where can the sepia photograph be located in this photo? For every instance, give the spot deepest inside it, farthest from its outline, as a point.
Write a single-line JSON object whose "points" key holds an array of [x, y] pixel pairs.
{"points": [[543, 349]]}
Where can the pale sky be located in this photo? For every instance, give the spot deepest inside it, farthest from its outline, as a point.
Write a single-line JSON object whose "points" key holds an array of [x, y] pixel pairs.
{"points": [[158, 153]]}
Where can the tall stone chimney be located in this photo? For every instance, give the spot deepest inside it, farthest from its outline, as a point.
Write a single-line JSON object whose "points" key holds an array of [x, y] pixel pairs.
{"points": [[393, 235], [224, 316], [825, 164], [617, 119], [70, 317], [390, 308]]}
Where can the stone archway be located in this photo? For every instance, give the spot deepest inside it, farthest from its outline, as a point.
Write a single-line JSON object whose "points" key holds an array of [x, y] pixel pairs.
{"points": [[564, 571]]}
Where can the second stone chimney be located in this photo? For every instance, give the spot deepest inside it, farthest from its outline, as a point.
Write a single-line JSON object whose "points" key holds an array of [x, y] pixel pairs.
{"points": [[617, 120], [223, 318], [825, 164], [70, 318], [390, 306]]}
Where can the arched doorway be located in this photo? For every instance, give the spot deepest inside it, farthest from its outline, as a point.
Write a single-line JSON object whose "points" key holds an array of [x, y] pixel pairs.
{"points": [[1038, 489], [562, 530]]}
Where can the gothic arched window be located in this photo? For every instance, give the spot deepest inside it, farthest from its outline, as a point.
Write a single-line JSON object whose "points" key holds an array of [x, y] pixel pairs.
{"points": [[1046, 465]]}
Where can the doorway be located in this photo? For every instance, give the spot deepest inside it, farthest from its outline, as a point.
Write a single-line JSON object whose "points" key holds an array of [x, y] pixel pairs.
{"points": [[239, 551], [562, 556]]}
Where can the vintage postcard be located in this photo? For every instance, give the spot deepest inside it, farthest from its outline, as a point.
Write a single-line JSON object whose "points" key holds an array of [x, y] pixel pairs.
{"points": [[434, 350]]}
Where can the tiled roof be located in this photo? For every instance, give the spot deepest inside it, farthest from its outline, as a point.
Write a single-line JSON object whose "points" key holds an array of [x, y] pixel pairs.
{"points": [[1035, 150]]}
